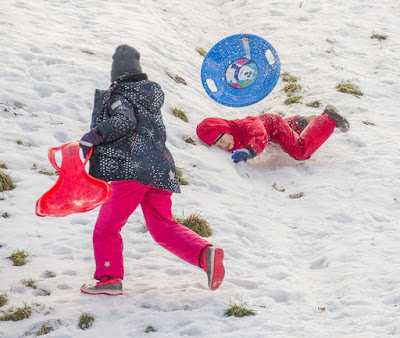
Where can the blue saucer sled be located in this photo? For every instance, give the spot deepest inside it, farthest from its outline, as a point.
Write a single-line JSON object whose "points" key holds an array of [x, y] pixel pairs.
{"points": [[240, 70]]}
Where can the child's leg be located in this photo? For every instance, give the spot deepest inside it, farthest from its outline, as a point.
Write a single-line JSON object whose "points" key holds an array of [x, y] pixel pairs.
{"points": [[302, 146], [293, 123], [176, 238], [107, 241]]}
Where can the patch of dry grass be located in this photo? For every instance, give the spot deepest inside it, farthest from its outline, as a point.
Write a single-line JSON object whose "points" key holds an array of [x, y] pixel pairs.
{"points": [[293, 100], [287, 77], [6, 182], [3, 299], [180, 114], [348, 87], [196, 223], [16, 314], [176, 78], [379, 37], [239, 311], [314, 104], [19, 257], [201, 51], [182, 181], [86, 320]]}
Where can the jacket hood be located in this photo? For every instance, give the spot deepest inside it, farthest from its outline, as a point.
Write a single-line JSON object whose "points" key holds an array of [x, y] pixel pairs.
{"points": [[148, 93], [210, 128]]}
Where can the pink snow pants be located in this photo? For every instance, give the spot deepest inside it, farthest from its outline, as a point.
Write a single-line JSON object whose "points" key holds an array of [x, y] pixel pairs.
{"points": [[156, 207]]}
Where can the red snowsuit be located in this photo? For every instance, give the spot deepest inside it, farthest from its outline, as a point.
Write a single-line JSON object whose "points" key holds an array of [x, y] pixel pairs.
{"points": [[255, 132]]}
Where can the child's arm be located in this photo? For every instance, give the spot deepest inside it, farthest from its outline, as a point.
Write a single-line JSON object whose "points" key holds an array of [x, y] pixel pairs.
{"points": [[253, 135], [122, 120]]}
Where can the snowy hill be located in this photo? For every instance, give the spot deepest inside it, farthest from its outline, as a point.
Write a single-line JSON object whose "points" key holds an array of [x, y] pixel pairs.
{"points": [[326, 264]]}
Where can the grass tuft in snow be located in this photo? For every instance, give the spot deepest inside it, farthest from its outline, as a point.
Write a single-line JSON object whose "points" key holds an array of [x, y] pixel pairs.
{"points": [[86, 320], [182, 181], [330, 50], [44, 329], [189, 140], [22, 143], [287, 77], [6, 182], [44, 293], [45, 172], [17, 315], [298, 195], [87, 51], [379, 37], [291, 88], [49, 274], [5, 215], [19, 257], [48, 173], [196, 223], [3, 165], [150, 329], [293, 100], [314, 104], [176, 78], [368, 123], [239, 311], [349, 88], [3, 299], [201, 51], [30, 283], [180, 114]]}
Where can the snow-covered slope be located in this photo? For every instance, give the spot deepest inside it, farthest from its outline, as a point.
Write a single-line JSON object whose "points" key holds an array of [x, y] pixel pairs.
{"points": [[326, 264]]}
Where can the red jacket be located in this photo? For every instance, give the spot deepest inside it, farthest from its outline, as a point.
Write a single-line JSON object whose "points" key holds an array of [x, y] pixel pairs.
{"points": [[251, 132]]}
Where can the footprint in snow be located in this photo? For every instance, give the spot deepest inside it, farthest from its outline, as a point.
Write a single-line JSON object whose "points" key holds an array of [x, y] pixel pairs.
{"points": [[319, 263]]}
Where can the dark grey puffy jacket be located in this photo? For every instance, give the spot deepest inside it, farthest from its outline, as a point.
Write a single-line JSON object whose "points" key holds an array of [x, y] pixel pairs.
{"points": [[128, 117]]}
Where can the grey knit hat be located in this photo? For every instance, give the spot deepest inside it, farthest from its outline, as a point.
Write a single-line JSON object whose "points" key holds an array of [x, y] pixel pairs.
{"points": [[125, 61]]}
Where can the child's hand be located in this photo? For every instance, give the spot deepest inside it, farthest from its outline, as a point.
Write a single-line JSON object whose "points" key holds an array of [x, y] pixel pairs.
{"points": [[242, 155], [88, 140], [85, 143]]}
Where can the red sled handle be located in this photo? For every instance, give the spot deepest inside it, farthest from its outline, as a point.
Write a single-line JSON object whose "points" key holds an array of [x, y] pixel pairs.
{"points": [[74, 151]]}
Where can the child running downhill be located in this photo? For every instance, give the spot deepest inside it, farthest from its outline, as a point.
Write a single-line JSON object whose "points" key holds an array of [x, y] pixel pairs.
{"points": [[128, 139], [299, 136]]}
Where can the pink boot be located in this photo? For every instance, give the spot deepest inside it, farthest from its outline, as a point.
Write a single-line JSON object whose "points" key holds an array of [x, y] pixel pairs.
{"points": [[211, 261], [107, 285]]}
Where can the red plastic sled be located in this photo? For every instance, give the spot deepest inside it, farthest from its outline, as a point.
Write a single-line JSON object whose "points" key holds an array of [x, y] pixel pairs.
{"points": [[75, 190]]}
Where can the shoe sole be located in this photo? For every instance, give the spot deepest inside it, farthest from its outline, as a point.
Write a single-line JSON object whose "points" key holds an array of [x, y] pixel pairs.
{"points": [[215, 268], [341, 122], [101, 292]]}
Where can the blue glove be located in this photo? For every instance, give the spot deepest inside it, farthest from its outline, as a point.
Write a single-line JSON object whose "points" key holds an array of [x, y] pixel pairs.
{"points": [[242, 155], [90, 139]]}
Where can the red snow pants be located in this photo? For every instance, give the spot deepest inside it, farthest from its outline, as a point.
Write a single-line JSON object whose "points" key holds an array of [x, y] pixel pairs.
{"points": [[297, 143], [156, 207]]}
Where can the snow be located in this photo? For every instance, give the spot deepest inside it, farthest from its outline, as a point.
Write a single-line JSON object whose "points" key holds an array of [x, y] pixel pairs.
{"points": [[326, 264]]}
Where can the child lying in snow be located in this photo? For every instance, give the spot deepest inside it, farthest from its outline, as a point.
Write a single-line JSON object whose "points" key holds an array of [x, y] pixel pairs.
{"points": [[298, 136]]}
